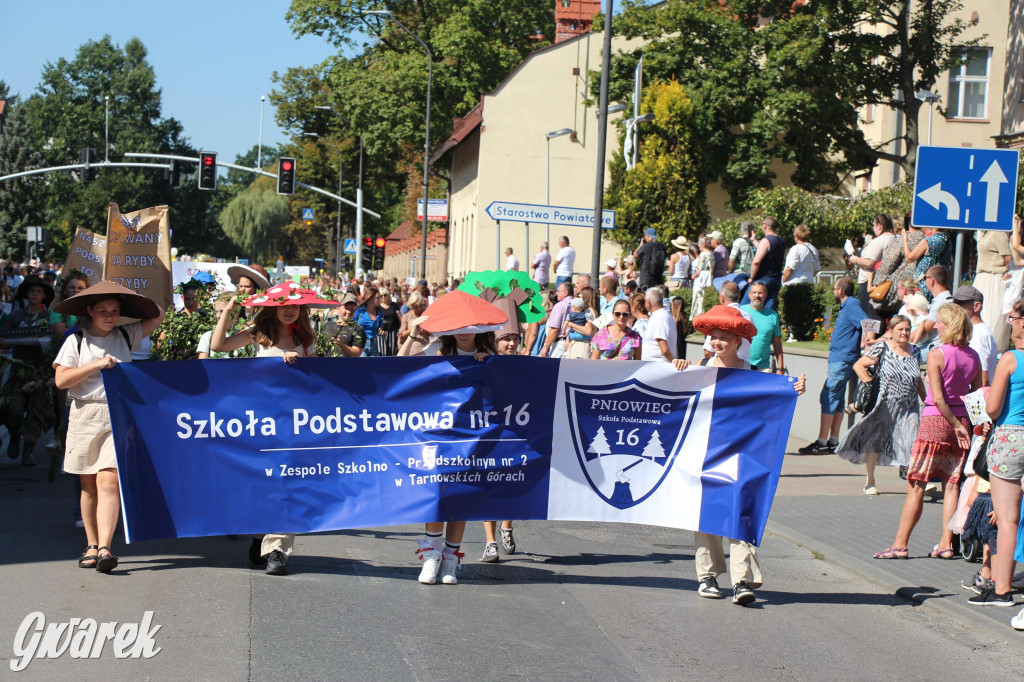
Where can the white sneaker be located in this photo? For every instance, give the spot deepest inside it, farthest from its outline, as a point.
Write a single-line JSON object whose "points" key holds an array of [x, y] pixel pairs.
{"points": [[449, 565], [431, 566], [1018, 621]]}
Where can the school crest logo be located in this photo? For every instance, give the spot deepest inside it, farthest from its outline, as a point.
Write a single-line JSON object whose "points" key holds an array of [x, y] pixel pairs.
{"points": [[627, 436]]}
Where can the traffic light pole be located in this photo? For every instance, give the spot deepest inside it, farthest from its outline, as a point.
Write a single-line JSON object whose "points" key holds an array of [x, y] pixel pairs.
{"points": [[256, 171]]}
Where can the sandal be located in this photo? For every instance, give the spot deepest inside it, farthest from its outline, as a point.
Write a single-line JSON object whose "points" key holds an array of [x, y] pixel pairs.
{"points": [[107, 563], [941, 553], [893, 553], [88, 560]]}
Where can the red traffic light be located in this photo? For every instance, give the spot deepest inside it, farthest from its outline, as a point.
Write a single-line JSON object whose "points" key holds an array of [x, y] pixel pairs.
{"points": [[208, 161], [367, 241], [286, 165], [380, 242]]}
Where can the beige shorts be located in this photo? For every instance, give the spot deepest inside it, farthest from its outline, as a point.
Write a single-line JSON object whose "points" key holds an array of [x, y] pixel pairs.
{"points": [[90, 444]]}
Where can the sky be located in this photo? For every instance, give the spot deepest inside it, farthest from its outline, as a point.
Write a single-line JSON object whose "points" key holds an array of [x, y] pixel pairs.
{"points": [[219, 107]]}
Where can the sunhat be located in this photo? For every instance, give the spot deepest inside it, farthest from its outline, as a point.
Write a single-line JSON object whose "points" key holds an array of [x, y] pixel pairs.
{"points": [[256, 273], [35, 281], [132, 304], [680, 242], [460, 313], [288, 293], [727, 319]]}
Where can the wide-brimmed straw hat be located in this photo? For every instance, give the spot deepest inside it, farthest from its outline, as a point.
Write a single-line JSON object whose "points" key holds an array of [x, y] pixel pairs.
{"points": [[132, 304], [256, 273], [35, 281], [460, 313], [288, 293], [727, 319], [680, 243]]}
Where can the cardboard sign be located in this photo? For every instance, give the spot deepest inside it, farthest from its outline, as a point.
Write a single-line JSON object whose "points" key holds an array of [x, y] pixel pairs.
{"points": [[139, 252], [88, 254]]}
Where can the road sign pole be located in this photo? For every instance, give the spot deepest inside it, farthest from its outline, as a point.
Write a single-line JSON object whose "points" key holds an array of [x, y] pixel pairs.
{"points": [[958, 259], [359, 226], [527, 254], [498, 267]]}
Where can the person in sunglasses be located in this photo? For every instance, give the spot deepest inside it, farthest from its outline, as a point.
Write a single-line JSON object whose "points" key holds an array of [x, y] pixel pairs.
{"points": [[616, 341]]}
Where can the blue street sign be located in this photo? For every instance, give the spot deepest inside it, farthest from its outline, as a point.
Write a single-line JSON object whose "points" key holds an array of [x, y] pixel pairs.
{"points": [[350, 246], [965, 188], [548, 215], [307, 214]]}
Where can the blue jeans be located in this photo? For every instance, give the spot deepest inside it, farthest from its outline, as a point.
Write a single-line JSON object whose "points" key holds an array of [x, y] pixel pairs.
{"points": [[833, 393], [562, 278]]}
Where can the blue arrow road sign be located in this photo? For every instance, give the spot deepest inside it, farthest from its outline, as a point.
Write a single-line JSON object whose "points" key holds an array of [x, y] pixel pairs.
{"points": [[549, 215], [965, 188], [307, 214], [350, 246]]}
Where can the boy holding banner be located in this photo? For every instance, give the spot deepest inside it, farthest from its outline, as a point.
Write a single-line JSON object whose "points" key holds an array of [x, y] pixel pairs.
{"points": [[726, 328]]}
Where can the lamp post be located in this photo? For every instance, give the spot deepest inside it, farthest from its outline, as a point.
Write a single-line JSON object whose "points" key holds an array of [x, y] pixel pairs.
{"points": [[602, 138], [359, 192], [259, 147], [547, 176], [426, 144]]}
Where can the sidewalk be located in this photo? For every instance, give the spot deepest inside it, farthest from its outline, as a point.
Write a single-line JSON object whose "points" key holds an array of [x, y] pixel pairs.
{"points": [[820, 506]]}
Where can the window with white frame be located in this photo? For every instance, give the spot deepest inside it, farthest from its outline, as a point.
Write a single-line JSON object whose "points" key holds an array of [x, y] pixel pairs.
{"points": [[968, 85]]}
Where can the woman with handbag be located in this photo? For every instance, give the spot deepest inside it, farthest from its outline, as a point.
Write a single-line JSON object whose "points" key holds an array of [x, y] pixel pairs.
{"points": [[1005, 455], [885, 435], [939, 451]]}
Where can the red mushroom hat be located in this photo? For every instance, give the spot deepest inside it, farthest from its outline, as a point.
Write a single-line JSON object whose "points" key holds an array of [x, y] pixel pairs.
{"points": [[288, 293], [727, 319], [460, 313]]}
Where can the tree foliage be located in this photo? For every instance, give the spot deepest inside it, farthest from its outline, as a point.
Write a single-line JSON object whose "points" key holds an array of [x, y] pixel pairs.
{"points": [[20, 199], [253, 221], [382, 89], [67, 114], [665, 189], [777, 81]]}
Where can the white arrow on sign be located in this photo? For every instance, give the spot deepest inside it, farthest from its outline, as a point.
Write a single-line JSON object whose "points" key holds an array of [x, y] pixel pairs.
{"points": [[935, 195], [992, 178]]}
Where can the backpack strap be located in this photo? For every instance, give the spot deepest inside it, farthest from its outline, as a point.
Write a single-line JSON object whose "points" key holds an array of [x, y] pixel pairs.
{"points": [[80, 335]]}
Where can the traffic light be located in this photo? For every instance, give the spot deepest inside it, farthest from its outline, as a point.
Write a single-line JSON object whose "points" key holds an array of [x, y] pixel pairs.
{"points": [[88, 158], [208, 170], [378, 253], [367, 255], [285, 175], [173, 174]]}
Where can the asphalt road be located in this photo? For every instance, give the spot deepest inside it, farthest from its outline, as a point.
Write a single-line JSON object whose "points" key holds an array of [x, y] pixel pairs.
{"points": [[579, 601]]}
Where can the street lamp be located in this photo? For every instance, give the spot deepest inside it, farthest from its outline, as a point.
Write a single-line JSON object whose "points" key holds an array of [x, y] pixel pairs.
{"points": [[426, 144], [929, 98], [359, 192], [547, 175]]}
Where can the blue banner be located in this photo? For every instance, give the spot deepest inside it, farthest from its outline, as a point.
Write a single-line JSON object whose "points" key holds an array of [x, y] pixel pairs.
{"points": [[220, 447]]}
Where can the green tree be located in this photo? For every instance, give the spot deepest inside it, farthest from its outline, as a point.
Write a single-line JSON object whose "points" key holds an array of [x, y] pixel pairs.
{"points": [[253, 221], [665, 189], [382, 88], [774, 80], [67, 114], [20, 204]]}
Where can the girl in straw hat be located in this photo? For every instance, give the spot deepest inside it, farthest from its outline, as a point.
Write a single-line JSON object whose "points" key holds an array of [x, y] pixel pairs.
{"points": [[90, 446], [282, 330], [726, 327]]}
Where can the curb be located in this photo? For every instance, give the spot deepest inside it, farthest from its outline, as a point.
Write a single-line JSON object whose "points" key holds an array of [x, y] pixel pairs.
{"points": [[960, 613]]}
